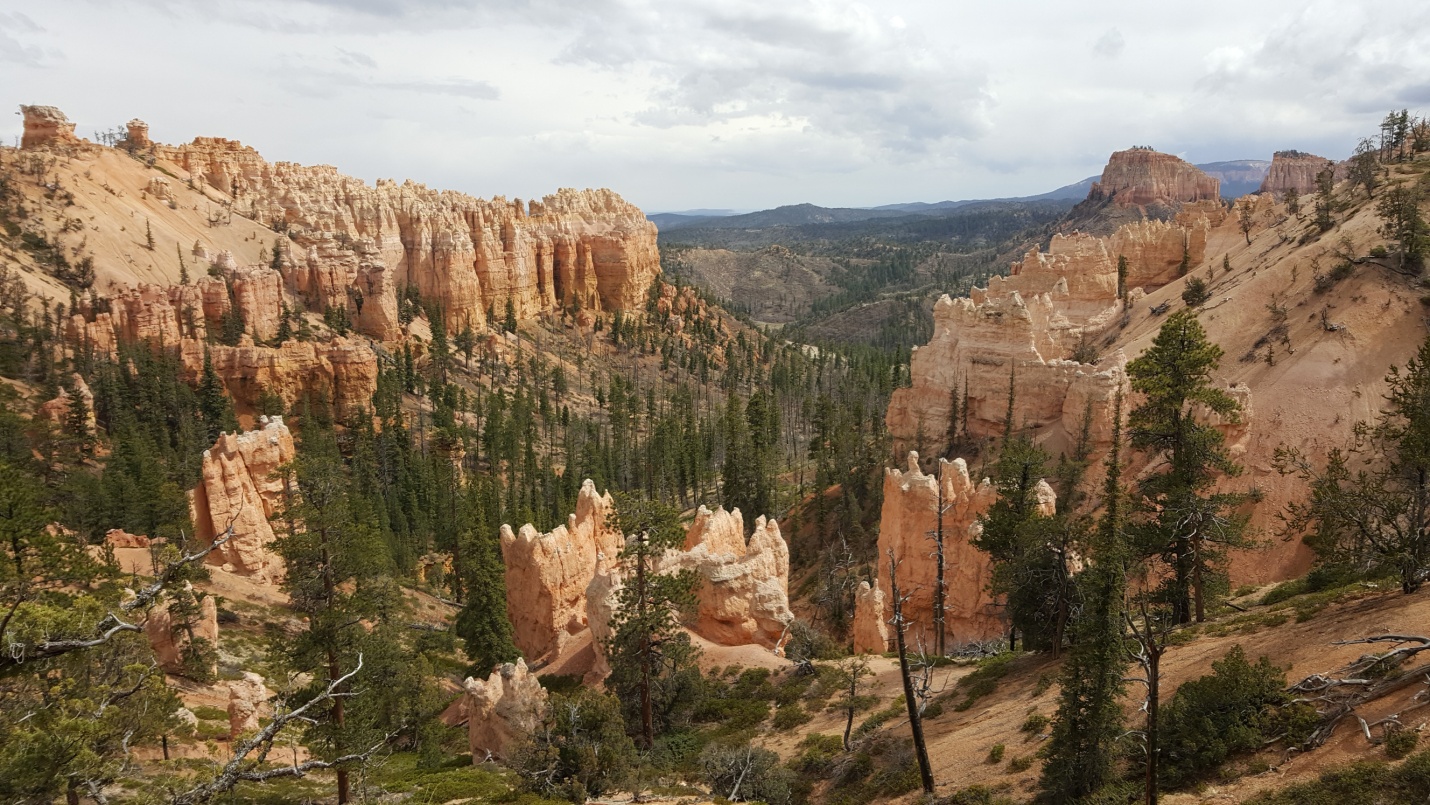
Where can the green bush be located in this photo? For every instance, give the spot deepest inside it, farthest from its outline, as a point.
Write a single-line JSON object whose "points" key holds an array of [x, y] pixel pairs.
{"points": [[1213, 717], [1018, 765], [1370, 782], [1035, 724], [790, 716], [983, 681], [1401, 743], [818, 754], [995, 754], [1196, 292], [207, 713], [580, 751], [746, 774]]}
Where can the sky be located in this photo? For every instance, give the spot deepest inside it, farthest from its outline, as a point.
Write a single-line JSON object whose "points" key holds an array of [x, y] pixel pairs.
{"points": [[742, 104]]}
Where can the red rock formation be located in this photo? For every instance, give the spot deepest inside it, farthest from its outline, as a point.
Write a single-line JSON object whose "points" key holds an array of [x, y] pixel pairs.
{"points": [[169, 641], [1293, 170], [547, 574], [57, 410], [871, 630], [46, 125], [744, 588], [137, 135], [343, 370], [356, 245], [908, 516], [239, 486], [1142, 176], [247, 698], [502, 709]]}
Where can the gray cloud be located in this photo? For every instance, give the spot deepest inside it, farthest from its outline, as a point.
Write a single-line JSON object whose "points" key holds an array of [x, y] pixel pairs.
{"points": [[1110, 44], [14, 28]]}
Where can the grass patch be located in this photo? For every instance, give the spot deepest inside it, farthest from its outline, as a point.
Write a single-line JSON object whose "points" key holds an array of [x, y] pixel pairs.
{"points": [[983, 681]]}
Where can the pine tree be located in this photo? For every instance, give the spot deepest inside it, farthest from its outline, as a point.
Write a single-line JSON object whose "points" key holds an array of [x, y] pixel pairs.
{"points": [[1082, 750], [337, 578], [183, 266], [1186, 524], [215, 407], [651, 658], [483, 623], [148, 236]]}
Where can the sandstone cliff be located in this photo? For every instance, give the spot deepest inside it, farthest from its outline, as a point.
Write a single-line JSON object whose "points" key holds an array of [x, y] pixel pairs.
{"points": [[502, 709], [169, 641], [910, 512], [1293, 170], [46, 126], [564, 583], [358, 246], [1140, 176], [871, 628], [547, 574], [239, 487]]}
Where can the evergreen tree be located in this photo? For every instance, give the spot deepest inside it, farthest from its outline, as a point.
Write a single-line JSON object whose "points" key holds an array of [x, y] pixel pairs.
{"points": [[652, 659], [1369, 509], [215, 407], [337, 578], [1082, 751], [1186, 524], [483, 623]]}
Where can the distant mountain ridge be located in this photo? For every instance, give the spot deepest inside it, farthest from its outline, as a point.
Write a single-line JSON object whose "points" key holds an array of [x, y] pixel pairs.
{"points": [[1238, 177]]}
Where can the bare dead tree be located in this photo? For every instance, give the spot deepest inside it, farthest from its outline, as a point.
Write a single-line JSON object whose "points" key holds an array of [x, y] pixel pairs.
{"points": [[251, 754], [1365, 679], [939, 555], [1149, 643], [916, 723]]}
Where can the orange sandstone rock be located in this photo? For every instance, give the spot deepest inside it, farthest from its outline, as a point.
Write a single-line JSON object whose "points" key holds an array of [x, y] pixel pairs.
{"points": [[1140, 176], [46, 125], [169, 641], [1293, 170], [871, 629], [547, 574], [502, 709], [239, 487], [908, 515], [247, 698]]}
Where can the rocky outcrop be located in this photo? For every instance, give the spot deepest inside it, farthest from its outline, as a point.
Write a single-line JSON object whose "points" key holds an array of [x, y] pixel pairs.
{"points": [[238, 486], [343, 370], [563, 583], [871, 630], [909, 513], [46, 126], [169, 638], [1293, 170], [355, 245], [1141, 176], [247, 697], [61, 409], [547, 575], [137, 135], [502, 709], [979, 345], [744, 588]]}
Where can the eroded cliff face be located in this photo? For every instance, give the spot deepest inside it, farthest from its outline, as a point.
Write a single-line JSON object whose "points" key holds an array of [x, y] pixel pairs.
{"points": [[1140, 176], [239, 487], [1293, 170], [169, 640], [910, 512], [357, 246], [341, 369], [502, 709], [547, 574], [565, 582], [1027, 327], [46, 126]]}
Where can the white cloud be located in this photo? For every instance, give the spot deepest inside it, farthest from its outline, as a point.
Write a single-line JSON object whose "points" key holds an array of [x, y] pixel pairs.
{"points": [[736, 103]]}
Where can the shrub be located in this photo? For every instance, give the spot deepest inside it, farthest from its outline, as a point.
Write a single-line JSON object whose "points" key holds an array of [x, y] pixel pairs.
{"points": [[790, 716], [1034, 724], [1196, 292], [1212, 717], [1401, 743], [818, 755], [995, 754], [1018, 765], [581, 750], [982, 681], [746, 774]]}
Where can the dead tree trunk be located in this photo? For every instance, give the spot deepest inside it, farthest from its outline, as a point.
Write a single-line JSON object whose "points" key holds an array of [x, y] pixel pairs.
{"points": [[916, 724]]}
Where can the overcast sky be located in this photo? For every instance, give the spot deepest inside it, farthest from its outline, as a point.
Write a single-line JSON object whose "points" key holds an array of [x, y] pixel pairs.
{"points": [[725, 103]]}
